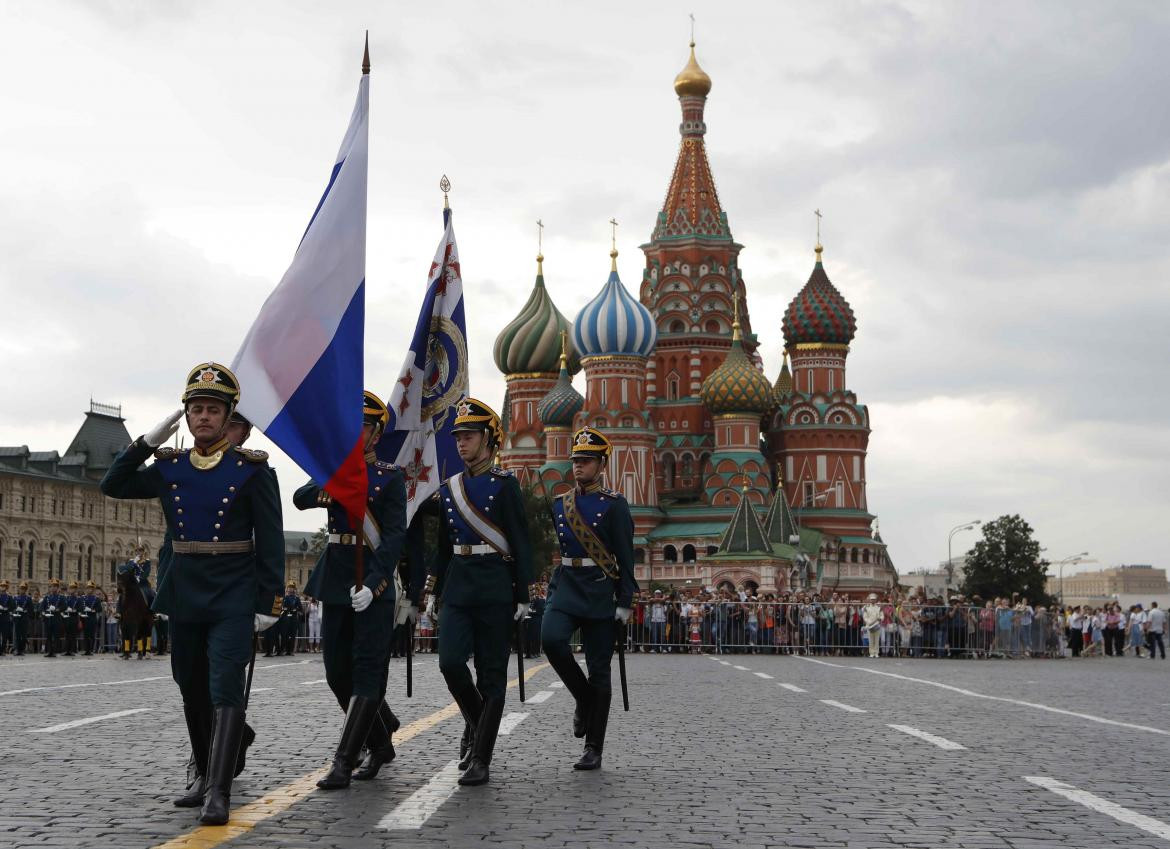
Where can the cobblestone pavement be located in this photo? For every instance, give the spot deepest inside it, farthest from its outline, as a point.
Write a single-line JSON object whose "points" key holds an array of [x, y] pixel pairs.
{"points": [[718, 751]]}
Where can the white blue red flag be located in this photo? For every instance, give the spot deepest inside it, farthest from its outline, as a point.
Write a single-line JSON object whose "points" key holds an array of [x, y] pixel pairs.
{"points": [[301, 364], [432, 381]]}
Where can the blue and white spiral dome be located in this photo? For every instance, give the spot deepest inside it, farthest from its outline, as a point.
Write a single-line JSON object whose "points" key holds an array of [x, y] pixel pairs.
{"points": [[614, 323]]}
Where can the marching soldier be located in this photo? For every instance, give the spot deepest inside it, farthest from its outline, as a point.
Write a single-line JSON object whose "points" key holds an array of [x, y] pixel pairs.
{"points": [[222, 506], [593, 587], [89, 608], [22, 610], [51, 606], [6, 605], [357, 623], [484, 567], [290, 617], [70, 612]]}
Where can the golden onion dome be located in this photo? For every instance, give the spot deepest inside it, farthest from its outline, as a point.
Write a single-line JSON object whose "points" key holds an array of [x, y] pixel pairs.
{"points": [[737, 386], [692, 79]]}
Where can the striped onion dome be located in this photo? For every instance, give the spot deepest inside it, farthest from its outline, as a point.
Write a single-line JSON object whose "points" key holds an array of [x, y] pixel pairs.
{"points": [[737, 386], [531, 342], [819, 313], [614, 323], [561, 403]]}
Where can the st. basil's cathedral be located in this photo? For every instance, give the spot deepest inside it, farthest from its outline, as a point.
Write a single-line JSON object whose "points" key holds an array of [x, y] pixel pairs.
{"points": [[732, 479]]}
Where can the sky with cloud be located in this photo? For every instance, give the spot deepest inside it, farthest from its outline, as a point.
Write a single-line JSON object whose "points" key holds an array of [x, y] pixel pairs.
{"points": [[994, 177]]}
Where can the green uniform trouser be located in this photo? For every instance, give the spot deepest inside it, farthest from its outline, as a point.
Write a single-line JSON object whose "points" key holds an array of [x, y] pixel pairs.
{"points": [[209, 661], [597, 636], [484, 632], [356, 650]]}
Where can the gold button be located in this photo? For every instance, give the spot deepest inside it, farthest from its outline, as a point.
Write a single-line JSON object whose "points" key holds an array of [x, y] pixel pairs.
{"points": [[178, 497], [377, 489], [174, 486], [231, 489], [239, 462], [180, 524], [215, 539], [217, 526], [219, 513], [175, 460], [180, 511], [379, 474], [181, 536], [225, 501]]}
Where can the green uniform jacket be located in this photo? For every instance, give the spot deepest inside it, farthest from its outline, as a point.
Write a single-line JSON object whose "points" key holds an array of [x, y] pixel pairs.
{"points": [[484, 579], [335, 571], [236, 500]]}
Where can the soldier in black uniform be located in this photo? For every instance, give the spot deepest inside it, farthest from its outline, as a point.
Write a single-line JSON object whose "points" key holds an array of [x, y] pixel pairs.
{"points": [[90, 608], [483, 569], [592, 588], [222, 507], [51, 611], [22, 611], [70, 618], [6, 605], [290, 617], [356, 624]]}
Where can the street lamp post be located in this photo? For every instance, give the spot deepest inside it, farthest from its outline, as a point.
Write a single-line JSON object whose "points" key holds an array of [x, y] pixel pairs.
{"points": [[1060, 564], [966, 526]]}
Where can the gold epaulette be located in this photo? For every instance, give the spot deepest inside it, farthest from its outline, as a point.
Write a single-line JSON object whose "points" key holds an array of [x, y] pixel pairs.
{"points": [[252, 456]]}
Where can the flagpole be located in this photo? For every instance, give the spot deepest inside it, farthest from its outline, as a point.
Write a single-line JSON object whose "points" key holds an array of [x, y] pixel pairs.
{"points": [[359, 559]]}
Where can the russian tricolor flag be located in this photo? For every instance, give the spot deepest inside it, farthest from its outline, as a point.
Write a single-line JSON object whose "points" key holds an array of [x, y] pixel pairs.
{"points": [[301, 365]]}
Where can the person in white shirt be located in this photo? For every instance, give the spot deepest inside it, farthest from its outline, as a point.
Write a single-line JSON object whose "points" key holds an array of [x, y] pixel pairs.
{"points": [[1135, 625], [313, 617], [1155, 626], [871, 616], [1076, 632]]}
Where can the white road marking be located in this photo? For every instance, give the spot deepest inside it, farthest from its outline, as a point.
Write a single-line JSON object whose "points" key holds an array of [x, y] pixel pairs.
{"points": [[413, 811], [557, 684], [262, 689], [317, 681], [1102, 806], [964, 692], [537, 698], [65, 726], [842, 705], [742, 669], [794, 688], [941, 742], [87, 684], [762, 675], [508, 723], [724, 662]]}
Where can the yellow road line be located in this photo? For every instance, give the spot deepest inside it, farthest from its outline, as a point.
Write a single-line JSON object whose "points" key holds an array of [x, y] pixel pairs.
{"points": [[247, 817]]}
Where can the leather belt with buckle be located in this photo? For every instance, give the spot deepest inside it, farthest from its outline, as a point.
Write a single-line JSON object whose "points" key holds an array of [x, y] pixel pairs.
{"points": [[469, 550], [343, 539], [578, 561], [240, 547]]}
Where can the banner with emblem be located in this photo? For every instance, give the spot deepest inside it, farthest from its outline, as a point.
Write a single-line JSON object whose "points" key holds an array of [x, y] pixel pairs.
{"points": [[432, 380]]}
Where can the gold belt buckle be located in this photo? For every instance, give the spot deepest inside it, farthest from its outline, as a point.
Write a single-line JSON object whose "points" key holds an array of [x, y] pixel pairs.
{"points": [[576, 561], [463, 550]]}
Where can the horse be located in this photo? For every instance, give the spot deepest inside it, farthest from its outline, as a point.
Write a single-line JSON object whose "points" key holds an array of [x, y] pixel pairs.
{"points": [[133, 612]]}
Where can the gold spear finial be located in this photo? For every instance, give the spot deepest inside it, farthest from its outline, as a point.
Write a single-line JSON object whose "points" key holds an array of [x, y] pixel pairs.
{"points": [[445, 186]]}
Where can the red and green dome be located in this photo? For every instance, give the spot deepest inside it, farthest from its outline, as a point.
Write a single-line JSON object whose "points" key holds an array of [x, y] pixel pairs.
{"points": [[819, 313]]}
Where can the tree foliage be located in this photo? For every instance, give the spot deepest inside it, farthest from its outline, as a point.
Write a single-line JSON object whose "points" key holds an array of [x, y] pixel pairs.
{"points": [[541, 530], [1006, 562]]}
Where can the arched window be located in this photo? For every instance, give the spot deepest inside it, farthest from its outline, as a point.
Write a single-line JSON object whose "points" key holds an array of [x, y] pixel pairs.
{"points": [[114, 569], [670, 554], [672, 387], [88, 559], [712, 326], [20, 559], [712, 549], [677, 326], [32, 561], [689, 555], [853, 555], [865, 555], [628, 421], [668, 471], [639, 555], [687, 465]]}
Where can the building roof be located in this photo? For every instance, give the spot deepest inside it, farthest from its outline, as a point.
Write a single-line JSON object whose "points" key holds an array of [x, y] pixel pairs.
{"points": [[614, 323], [531, 342], [668, 530], [101, 436], [818, 313], [560, 405], [737, 386], [744, 533], [298, 542], [778, 524]]}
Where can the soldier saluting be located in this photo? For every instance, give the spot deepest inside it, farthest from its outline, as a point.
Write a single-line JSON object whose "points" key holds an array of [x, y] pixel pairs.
{"points": [[593, 587], [357, 622], [223, 578], [484, 567]]}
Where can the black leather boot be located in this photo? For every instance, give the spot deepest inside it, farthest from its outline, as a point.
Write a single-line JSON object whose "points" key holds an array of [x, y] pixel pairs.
{"points": [[471, 706], [595, 739], [247, 740], [581, 717], [485, 743], [358, 719], [199, 731], [380, 743], [225, 747]]}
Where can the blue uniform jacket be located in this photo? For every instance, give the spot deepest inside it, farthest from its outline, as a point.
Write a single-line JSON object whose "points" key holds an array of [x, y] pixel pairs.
{"points": [[238, 500], [587, 591]]}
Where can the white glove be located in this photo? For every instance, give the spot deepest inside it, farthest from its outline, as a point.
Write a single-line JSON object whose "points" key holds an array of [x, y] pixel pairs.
{"points": [[405, 613], [164, 430], [359, 600], [263, 623], [521, 609], [622, 614], [412, 613]]}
